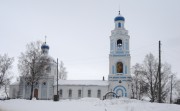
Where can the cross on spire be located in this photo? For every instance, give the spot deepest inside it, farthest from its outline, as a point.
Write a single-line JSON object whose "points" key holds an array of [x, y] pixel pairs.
{"points": [[45, 39], [119, 9]]}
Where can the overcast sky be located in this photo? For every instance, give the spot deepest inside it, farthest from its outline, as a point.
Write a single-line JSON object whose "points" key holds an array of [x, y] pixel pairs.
{"points": [[78, 31]]}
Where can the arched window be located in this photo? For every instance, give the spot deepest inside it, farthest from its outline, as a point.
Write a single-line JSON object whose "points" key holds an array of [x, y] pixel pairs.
{"points": [[119, 67], [99, 93], [119, 25], [119, 43], [44, 83], [70, 93], [36, 83], [28, 83], [79, 93], [89, 93], [60, 93], [48, 69]]}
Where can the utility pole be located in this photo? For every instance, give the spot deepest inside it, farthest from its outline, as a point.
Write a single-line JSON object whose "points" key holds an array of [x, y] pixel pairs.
{"points": [[159, 95], [56, 97], [57, 79], [171, 90]]}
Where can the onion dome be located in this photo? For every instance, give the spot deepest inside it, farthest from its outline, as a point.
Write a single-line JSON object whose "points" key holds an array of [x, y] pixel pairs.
{"points": [[44, 46], [119, 18]]}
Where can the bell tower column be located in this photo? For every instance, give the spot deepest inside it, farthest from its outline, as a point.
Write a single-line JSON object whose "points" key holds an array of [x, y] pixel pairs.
{"points": [[119, 59]]}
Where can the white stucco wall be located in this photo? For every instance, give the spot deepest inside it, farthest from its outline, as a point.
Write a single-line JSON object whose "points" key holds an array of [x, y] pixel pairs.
{"points": [[13, 90], [83, 88]]}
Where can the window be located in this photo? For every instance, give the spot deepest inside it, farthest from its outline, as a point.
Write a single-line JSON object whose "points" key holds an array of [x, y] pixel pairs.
{"points": [[119, 43], [70, 93], [89, 93], [48, 69], [99, 93], [44, 83], [28, 83], [36, 83], [119, 67], [79, 93], [60, 93], [119, 25]]}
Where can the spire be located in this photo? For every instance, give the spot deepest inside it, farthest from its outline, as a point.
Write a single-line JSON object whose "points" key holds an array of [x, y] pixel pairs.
{"points": [[119, 10], [45, 39]]}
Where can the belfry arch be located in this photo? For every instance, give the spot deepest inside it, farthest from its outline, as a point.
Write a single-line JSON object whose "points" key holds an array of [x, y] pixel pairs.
{"points": [[119, 43]]}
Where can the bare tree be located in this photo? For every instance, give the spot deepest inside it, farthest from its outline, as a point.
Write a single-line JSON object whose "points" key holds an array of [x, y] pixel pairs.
{"points": [[133, 88], [31, 66], [62, 71], [151, 75], [146, 78], [139, 85], [168, 81], [136, 78], [7, 82], [177, 87], [5, 67]]}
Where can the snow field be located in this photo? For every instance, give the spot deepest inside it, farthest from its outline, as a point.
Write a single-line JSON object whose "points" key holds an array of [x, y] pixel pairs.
{"points": [[85, 104]]}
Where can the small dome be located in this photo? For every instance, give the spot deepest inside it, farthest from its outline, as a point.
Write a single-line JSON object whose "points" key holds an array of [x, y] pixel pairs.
{"points": [[119, 18], [44, 46]]}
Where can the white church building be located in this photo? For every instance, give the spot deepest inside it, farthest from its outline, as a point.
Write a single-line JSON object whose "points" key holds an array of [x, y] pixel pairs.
{"points": [[118, 83]]}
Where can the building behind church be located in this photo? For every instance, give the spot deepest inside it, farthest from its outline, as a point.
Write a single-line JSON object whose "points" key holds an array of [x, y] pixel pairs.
{"points": [[118, 83]]}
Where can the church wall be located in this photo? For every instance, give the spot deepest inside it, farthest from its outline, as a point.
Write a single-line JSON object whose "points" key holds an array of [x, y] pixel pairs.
{"points": [[27, 92], [84, 91], [123, 89], [13, 91], [44, 87], [50, 92]]}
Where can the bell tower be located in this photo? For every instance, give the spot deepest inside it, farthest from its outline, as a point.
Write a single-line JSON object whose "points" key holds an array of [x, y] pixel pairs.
{"points": [[119, 59]]}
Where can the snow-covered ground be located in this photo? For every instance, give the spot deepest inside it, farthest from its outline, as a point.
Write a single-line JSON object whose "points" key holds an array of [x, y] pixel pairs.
{"points": [[85, 104]]}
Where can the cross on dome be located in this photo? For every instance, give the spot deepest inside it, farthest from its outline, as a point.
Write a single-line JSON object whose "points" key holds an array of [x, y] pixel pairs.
{"points": [[45, 38]]}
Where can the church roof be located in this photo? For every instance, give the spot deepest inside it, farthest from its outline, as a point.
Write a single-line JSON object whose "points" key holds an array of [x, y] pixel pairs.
{"points": [[83, 82], [119, 18], [15, 83]]}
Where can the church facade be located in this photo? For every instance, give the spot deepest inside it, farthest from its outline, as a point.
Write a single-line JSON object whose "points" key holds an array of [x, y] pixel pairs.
{"points": [[118, 83]]}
